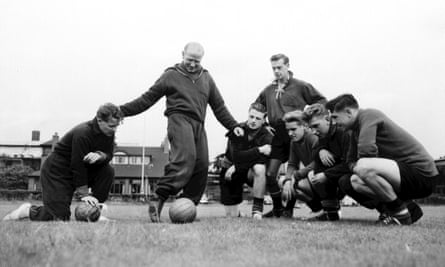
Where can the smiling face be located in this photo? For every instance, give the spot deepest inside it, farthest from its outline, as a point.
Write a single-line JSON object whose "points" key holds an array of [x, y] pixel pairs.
{"points": [[295, 130], [320, 125], [255, 119], [192, 56]]}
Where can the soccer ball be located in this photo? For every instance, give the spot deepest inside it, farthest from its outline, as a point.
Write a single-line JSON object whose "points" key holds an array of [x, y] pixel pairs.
{"points": [[183, 210], [86, 213]]}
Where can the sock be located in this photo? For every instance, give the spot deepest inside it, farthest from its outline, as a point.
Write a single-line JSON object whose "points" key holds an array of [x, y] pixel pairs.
{"points": [[276, 200], [396, 206], [330, 205], [257, 205], [314, 205], [291, 204]]}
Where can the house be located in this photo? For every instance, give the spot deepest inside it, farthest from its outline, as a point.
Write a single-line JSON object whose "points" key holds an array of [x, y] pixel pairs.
{"points": [[22, 153], [130, 174]]}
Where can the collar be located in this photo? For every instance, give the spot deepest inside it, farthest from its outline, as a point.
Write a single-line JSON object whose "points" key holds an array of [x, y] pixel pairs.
{"points": [[291, 75]]}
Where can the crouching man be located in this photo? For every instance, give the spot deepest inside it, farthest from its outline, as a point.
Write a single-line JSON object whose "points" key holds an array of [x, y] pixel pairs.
{"points": [[249, 154], [391, 167], [296, 184], [330, 158], [80, 160]]}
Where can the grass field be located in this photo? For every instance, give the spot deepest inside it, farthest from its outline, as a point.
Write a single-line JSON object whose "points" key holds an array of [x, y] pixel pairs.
{"points": [[130, 240]]}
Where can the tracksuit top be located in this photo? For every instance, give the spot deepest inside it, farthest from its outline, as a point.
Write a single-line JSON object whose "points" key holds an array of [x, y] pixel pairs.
{"points": [[303, 151], [244, 153], [76, 144], [297, 94], [337, 141], [378, 136], [186, 93]]}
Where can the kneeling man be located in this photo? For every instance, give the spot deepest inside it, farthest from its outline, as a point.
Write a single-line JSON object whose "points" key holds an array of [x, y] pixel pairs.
{"points": [[79, 161], [249, 154]]}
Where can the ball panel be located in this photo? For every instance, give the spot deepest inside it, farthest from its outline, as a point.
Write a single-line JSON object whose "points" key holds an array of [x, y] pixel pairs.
{"points": [[183, 210], [86, 213]]}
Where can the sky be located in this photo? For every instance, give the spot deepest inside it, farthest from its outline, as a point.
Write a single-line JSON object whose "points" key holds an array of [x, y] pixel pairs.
{"points": [[60, 60]]}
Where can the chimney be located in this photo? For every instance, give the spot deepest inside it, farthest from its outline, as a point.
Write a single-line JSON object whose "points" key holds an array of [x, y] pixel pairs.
{"points": [[165, 145], [35, 136], [54, 141]]}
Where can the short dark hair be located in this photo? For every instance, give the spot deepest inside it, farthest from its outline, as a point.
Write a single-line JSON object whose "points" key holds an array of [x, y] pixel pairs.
{"points": [[295, 116], [341, 102], [315, 110], [109, 110], [258, 107], [280, 56]]}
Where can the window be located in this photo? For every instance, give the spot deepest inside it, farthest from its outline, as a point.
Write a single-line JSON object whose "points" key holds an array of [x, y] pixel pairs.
{"points": [[134, 160], [117, 187], [135, 187], [120, 158]]}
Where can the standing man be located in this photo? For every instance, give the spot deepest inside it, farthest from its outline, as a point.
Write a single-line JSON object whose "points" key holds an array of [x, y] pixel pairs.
{"points": [[283, 95], [249, 154], [79, 161], [189, 88], [392, 167]]}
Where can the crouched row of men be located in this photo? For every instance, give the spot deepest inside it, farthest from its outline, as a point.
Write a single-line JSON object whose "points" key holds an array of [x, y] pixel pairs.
{"points": [[336, 149]]}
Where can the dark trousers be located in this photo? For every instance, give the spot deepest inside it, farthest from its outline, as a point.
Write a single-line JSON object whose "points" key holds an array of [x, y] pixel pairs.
{"points": [[58, 190], [189, 160], [279, 155]]}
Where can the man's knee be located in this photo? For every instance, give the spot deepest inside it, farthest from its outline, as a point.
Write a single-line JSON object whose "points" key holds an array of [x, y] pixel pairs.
{"points": [[259, 171], [364, 169]]}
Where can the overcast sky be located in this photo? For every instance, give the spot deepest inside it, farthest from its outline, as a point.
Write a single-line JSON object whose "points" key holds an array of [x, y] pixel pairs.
{"points": [[59, 60]]}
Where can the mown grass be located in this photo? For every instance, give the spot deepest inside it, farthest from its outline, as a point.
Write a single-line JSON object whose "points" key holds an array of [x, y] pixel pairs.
{"points": [[130, 240]]}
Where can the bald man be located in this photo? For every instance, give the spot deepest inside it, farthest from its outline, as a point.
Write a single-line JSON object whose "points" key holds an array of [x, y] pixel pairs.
{"points": [[188, 88]]}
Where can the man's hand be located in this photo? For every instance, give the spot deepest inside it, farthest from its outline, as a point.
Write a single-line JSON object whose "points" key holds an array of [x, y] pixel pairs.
{"points": [[92, 157], [90, 200], [288, 190], [317, 178], [229, 172], [265, 149], [238, 131], [326, 158]]}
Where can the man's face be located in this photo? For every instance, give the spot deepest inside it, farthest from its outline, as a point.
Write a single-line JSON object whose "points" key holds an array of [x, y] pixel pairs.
{"points": [[295, 130], [320, 125], [280, 70], [108, 127], [343, 118], [192, 60], [255, 119]]}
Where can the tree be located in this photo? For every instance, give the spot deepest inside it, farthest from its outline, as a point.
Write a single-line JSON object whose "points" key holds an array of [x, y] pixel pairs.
{"points": [[15, 177]]}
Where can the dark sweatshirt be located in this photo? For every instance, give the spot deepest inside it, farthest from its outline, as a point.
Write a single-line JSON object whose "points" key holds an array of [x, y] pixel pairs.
{"points": [[244, 152], [378, 136], [186, 93], [78, 142], [297, 94], [303, 151], [337, 141]]}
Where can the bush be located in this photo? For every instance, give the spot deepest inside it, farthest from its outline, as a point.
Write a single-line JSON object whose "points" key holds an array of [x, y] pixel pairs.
{"points": [[15, 177]]}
